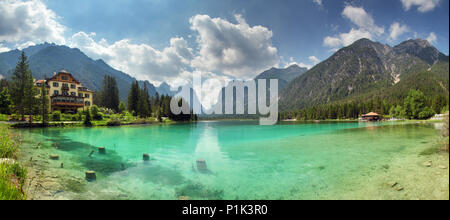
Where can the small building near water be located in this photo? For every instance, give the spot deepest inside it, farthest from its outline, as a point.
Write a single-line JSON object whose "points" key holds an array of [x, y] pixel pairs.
{"points": [[372, 116]]}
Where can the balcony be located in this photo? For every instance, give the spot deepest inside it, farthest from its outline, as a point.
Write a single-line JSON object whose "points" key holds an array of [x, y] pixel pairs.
{"points": [[67, 100], [65, 87]]}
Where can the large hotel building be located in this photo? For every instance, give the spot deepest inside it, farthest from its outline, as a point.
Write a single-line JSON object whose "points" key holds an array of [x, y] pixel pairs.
{"points": [[66, 94]]}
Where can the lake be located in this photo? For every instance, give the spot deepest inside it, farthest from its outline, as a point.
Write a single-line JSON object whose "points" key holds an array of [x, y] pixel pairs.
{"points": [[244, 160]]}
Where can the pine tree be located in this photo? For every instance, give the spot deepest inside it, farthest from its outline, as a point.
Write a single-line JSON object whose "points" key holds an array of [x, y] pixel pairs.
{"points": [[109, 95], [5, 101], [44, 104], [23, 89], [143, 103], [133, 98]]}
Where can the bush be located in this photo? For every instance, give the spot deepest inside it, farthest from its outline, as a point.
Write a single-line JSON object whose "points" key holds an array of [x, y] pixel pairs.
{"points": [[3, 117], [87, 118], [56, 116], [426, 113], [96, 114], [113, 122], [15, 117]]}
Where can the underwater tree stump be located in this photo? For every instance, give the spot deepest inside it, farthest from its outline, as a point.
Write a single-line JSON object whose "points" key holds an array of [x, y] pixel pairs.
{"points": [[201, 165], [90, 175], [54, 156], [102, 150]]}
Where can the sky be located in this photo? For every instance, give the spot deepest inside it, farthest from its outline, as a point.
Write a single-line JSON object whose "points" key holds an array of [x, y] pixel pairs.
{"points": [[168, 40]]}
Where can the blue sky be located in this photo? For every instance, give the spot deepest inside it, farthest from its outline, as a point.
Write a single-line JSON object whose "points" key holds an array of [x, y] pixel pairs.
{"points": [[179, 37]]}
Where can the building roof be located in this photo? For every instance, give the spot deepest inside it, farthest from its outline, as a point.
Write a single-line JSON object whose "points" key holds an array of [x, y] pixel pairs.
{"points": [[372, 114], [65, 72]]}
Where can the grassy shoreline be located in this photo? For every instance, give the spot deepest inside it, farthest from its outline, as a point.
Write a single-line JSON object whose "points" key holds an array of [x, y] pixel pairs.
{"points": [[12, 173]]}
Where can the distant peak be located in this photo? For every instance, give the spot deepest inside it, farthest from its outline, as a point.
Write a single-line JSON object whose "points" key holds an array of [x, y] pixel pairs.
{"points": [[419, 42], [164, 85]]}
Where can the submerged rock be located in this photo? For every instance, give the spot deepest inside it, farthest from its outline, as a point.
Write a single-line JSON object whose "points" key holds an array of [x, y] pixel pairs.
{"points": [[442, 167], [54, 156], [428, 164], [392, 184], [399, 188], [183, 198], [201, 165]]}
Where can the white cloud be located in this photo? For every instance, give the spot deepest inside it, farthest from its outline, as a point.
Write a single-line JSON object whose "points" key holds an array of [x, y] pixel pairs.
{"points": [[365, 28], [237, 50], [300, 64], [139, 60], [3, 48], [432, 38], [314, 59], [22, 21], [396, 30], [359, 17], [318, 2], [423, 5]]}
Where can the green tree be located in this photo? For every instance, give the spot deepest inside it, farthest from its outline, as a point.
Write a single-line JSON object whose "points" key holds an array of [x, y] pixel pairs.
{"points": [[122, 107], [5, 101], [3, 84], [109, 95], [96, 114], [44, 104], [87, 118], [143, 102], [133, 98], [22, 89], [414, 104], [426, 113]]}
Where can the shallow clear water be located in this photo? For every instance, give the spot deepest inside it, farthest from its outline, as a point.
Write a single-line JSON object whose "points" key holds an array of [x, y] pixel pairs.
{"points": [[244, 160]]}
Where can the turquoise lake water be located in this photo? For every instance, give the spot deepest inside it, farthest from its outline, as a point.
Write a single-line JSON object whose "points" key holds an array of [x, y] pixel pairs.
{"points": [[244, 160]]}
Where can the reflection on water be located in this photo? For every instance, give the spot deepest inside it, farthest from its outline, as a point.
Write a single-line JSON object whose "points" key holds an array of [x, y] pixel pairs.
{"points": [[244, 160]]}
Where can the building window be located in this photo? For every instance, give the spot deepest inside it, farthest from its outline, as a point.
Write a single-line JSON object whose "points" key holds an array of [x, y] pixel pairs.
{"points": [[55, 84], [64, 78], [80, 95], [73, 93], [72, 86], [87, 103], [56, 92], [65, 93], [86, 95]]}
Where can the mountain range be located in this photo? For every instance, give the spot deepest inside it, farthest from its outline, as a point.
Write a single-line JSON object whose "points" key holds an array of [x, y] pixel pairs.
{"points": [[359, 71], [366, 68], [45, 59]]}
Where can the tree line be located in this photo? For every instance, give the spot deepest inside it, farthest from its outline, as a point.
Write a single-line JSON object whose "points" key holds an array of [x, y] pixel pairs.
{"points": [[415, 106], [139, 102], [20, 95]]}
